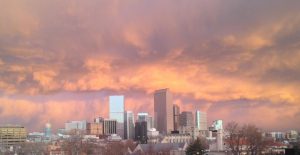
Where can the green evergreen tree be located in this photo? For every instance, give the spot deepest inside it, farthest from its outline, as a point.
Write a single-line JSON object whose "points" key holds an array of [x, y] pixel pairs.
{"points": [[196, 148]]}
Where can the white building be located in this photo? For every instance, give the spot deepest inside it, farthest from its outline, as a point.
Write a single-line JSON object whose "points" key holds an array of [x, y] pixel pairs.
{"points": [[161, 148], [200, 120], [75, 125], [114, 137], [217, 127], [153, 135], [177, 138]]}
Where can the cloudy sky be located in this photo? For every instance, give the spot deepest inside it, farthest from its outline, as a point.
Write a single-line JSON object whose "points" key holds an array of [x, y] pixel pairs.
{"points": [[235, 59]]}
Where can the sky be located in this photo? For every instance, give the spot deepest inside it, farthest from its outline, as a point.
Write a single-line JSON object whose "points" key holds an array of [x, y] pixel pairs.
{"points": [[237, 60]]}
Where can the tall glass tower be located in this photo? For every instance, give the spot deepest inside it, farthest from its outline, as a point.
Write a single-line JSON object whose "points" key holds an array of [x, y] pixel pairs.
{"points": [[48, 130], [116, 111], [201, 120]]}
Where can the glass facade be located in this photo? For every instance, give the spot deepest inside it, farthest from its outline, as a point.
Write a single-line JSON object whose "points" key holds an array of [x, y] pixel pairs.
{"points": [[116, 108], [218, 124], [116, 112], [201, 120]]}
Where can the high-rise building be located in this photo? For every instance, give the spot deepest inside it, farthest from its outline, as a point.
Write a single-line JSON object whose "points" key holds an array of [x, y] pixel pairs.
{"points": [[150, 122], [116, 111], [147, 118], [109, 126], [176, 114], [163, 111], [48, 130], [200, 120], [142, 116], [186, 119], [129, 125], [141, 132], [11, 135]]}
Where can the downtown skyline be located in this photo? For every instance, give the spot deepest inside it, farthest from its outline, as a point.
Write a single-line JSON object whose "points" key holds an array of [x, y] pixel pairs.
{"points": [[235, 60]]}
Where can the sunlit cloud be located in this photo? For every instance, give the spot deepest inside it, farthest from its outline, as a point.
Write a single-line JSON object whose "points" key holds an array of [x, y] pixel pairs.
{"points": [[213, 55]]}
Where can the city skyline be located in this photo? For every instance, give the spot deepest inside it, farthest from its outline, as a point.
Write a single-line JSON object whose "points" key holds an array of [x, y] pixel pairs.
{"points": [[234, 60]]}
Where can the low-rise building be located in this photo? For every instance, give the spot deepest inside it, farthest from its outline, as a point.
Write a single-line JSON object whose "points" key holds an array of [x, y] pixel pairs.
{"points": [[161, 148], [177, 138], [12, 135], [109, 126], [94, 129]]}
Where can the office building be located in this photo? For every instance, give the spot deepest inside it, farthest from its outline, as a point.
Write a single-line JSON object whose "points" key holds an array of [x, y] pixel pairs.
{"points": [[142, 117], [147, 118], [76, 126], [109, 126], [218, 124], [292, 135], [12, 135], [177, 138], [116, 111], [200, 120], [129, 125], [99, 120], [186, 119], [36, 137], [141, 132], [150, 122], [94, 128], [48, 130], [163, 111], [176, 115], [277, 135], [153, 136]]}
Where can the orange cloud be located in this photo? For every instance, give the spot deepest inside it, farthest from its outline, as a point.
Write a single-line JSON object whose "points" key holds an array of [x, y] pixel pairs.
{"points": [[207, 57]]}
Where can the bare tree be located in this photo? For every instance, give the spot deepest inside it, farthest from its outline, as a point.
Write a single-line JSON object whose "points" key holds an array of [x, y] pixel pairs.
{"points": [[234, 137], [246, 138], [253, 137]]}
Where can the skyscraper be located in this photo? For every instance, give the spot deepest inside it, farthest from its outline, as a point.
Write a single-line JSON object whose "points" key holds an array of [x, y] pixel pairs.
{"points": [[116, 111], [141, 132], [129, 125], [48, 130], [142, 116], [200, 120], [176, 114], [147, 118], [186, 119], [163, 111]]}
